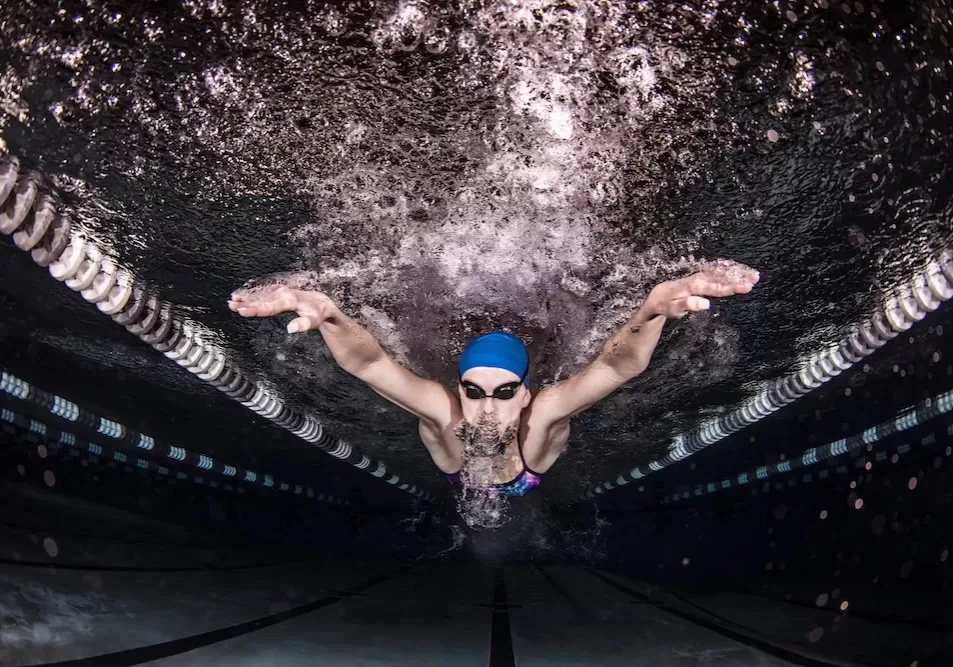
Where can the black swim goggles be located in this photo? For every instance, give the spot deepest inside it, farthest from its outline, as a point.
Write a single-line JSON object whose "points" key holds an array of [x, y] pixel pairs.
{"points": [[504, 392]]}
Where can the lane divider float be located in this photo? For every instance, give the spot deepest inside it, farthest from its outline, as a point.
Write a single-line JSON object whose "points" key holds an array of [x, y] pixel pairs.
{"points": [[903, 306], [236, 479], [31, 217], [927, 410]]}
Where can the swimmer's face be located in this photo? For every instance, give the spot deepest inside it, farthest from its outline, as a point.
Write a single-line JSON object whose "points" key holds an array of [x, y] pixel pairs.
{"points": [[491, 422]]}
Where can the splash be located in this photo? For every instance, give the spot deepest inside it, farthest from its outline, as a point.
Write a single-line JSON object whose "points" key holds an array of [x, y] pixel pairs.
{"points": [[527, 233], [537, 531], [477, 502], [484, 439], [481, 508], [411, 523]]}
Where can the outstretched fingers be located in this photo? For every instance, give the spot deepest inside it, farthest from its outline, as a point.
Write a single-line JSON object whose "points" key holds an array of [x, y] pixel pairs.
{"points": [[700, 285], [236, 300], [264, 306]]}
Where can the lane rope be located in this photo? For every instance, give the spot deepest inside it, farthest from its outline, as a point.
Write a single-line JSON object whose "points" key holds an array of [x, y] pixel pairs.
{"points": [[903, 306], [31, 216], [926, 411], [235, 478]]}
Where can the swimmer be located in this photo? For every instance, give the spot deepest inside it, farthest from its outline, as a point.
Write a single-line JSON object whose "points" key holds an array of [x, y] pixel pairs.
{"points": [[491, 431]]}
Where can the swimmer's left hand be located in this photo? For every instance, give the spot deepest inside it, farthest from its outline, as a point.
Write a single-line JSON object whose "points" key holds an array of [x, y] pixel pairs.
{"points": [[676, 298]]}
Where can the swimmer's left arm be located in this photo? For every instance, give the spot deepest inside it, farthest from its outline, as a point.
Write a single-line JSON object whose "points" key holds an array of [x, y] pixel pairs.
{"points": [[627, 354], [624, 356]]}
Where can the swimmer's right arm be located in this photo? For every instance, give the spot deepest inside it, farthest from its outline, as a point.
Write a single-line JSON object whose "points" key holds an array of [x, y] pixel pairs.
{"points": [[353, 347]]}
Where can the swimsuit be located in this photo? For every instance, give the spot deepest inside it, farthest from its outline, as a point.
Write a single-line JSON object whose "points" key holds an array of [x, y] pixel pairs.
{"points": [[525, 482]]}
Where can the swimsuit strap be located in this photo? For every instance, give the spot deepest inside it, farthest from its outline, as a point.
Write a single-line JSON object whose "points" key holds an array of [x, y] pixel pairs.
{"points": [[527, 480], [526, 468]]}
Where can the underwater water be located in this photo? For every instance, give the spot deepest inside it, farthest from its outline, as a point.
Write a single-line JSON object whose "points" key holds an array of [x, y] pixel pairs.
{"points": [[183, 486]]}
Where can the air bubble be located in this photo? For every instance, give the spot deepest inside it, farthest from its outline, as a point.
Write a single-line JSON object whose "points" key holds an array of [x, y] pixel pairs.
{"points": [[437, 41], [50, 547], [466, 41], [94, 580], [334, 22]]}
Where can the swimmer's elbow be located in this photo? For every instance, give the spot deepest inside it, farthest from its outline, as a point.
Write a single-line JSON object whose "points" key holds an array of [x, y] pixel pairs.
{"points": [[623, 368], [359, 366], [561, 402]]}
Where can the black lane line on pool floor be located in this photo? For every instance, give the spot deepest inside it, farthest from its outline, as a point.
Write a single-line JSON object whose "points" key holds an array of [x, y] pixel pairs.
{"points": [[101, 538], [581, 615], [57, 533], [501, 638], [751, 642], [101, 568], [853, 612], [208, 567], [143, 654]]}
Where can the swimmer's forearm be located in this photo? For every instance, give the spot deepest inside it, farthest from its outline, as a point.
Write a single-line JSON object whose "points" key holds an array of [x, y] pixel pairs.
{"points": [[353, 346], [629, 351]]}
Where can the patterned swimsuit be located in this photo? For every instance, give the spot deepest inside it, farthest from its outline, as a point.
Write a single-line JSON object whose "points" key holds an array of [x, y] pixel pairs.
{"points": [[525, 482]]}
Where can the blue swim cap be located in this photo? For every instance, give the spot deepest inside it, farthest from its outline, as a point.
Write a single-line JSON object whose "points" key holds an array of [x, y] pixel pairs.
{"points": [[496, 349]]}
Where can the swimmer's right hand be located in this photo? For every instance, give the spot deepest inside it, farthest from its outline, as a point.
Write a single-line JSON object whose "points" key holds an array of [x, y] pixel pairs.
{"points": [[312, 308]]}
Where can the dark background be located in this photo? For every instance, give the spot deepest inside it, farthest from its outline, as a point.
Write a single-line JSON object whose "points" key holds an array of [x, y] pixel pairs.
{"points": [[196, 195]]}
